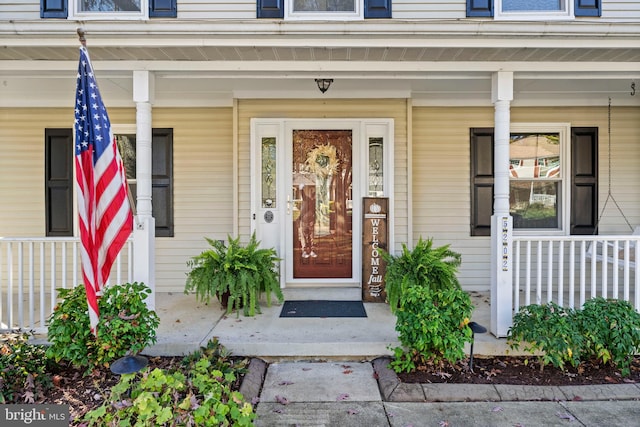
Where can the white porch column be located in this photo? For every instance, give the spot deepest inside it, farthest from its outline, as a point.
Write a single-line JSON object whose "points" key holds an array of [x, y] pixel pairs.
{"points": [[144, 226], [501, 221]]}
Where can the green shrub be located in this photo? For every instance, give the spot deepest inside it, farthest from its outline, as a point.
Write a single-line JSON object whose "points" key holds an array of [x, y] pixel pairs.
{"points": [[201, 397], [23, 368], [432, 326], [432, 311], [126, 326], [606, 330], [549, 329], [611, 329]]}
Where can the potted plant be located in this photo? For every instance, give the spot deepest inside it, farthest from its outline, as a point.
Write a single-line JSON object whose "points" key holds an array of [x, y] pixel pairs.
{"points": [[435, 268], [235, 274]]}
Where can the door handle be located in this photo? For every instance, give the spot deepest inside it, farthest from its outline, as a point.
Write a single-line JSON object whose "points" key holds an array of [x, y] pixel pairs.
{"points": [[288, 204]]}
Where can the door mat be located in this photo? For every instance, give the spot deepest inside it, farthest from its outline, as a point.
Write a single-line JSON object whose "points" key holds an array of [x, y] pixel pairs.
{"points": [[323, 308]]}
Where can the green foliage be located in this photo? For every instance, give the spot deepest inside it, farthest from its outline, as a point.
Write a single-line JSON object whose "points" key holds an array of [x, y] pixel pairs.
{"points": [[611, 329], [202, 396], [550, 330], [23, 369], [432, 325], [606, 330], [242, 272], [218, 356], [432, 311], [126, 325], [425, 265]]}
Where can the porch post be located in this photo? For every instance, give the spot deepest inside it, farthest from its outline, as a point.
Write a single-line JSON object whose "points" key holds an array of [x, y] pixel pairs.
{"points": [[144, 225], [501, 221]]}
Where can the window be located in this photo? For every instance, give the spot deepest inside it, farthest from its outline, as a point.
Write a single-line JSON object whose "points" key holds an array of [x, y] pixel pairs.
{"points": [[553, 179], [324, 9], [535, 175], [161, 174], [101, 9], [59, 181], [533, 9], [108, 9]]}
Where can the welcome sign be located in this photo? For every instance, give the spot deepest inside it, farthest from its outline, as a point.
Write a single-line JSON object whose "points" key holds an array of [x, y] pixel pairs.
{"points": [[374, 238]]}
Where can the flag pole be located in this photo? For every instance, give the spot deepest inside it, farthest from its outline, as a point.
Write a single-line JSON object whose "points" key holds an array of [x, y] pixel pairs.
{"points": [[83, 41]]}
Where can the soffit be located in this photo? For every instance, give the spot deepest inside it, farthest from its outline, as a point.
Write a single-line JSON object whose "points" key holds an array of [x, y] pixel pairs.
{"points": [[362, 54]]}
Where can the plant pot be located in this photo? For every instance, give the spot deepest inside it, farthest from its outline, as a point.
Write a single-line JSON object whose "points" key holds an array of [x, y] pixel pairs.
{"points": [[224, 299]]}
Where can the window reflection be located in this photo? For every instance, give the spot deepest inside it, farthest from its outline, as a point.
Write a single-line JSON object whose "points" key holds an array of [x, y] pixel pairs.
{"points": [[535, 178]]}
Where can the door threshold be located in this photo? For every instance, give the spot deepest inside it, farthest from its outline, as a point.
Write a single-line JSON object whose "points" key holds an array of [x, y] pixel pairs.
{"points": [[333, 293]]}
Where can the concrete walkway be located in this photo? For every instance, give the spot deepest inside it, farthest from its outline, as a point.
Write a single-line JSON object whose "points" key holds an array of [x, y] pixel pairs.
{"points": [[333, 372], [186, 324]]}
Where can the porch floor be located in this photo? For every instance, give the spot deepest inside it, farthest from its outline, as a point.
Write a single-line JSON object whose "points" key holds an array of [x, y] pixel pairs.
{"points": [[186, 324]]}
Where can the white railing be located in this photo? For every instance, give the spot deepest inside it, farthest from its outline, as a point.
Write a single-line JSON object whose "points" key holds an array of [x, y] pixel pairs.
{"points": [[571, 269], [31, 269]]}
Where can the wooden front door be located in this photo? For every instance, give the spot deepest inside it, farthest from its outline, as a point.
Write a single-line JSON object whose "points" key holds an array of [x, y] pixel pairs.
{"points": [[322, 204]]}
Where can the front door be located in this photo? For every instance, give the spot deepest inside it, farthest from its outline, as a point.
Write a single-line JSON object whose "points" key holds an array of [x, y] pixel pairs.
{"points": [[322, 209], [309, 177]]}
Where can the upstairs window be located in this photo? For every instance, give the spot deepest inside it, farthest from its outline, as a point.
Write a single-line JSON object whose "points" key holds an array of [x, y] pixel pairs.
{"points": [[108, 9], [534, 9], [326, 10], [323, 9], [100, 9]]}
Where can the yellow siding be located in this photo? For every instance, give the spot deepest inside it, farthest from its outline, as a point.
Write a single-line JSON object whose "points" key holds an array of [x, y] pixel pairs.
{"points": [[441, 188], [203, 193], [395, 109]]}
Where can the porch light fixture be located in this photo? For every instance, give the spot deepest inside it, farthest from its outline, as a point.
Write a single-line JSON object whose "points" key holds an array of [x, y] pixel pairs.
{"points": [[323, 84]]}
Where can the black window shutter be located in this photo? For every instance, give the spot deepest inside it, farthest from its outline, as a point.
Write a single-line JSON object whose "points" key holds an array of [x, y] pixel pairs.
{"points": [[58, 182], [377, 9], [584, 180], [480, 8], [162, 181], [587, 8], [163, 8], [270, 8], [53, 8], [482, 173]]}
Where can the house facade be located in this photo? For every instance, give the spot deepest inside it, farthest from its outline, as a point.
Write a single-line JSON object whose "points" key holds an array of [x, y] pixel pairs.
{"points": [[485, 124]]}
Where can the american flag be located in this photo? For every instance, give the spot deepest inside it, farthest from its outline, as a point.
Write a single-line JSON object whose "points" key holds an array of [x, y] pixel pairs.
{"points": [[105, 217]]}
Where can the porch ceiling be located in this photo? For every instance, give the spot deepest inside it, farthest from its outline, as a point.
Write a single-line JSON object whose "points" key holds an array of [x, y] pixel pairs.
{"points": [[299, 53]]}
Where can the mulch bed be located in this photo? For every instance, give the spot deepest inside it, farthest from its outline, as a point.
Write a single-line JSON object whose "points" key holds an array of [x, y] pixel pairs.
{"points": [[521, 371]]}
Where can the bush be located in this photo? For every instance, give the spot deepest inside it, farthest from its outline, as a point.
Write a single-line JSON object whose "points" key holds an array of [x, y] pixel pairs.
{"points": [[23, 369], [606, 330], [549, 329], [126, 326], [432, 325], [611, 329], [432, 311], [201, 397]]}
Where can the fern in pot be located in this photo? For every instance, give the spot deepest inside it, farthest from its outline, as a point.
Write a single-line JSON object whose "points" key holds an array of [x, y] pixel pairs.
{"points": [[236, 274]]}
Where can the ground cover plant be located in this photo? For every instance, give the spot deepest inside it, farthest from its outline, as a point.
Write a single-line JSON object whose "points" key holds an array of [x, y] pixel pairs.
{"points": [[186, 386]]}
